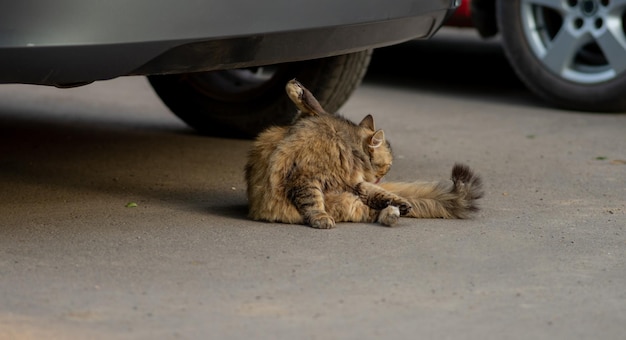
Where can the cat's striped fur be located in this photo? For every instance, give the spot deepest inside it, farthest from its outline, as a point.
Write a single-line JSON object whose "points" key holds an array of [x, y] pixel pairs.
{"points": [[324, 169]]}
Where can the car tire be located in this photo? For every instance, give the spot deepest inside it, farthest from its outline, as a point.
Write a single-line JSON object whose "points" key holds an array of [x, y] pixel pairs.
{"points": [[577, 59], [243, 102]]}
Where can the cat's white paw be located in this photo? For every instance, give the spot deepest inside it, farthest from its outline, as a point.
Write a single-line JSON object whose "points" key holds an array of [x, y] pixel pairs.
{"points": [[389, 216]]}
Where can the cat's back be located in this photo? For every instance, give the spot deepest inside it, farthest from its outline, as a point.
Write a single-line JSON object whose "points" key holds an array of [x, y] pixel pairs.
{"points": [[321, 132]]}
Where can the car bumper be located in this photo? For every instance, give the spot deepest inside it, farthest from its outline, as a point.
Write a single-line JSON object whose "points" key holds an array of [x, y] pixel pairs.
{"points": [[64, 42]]}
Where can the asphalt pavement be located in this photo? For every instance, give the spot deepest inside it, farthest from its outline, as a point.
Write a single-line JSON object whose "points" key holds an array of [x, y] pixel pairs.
{"points": [[118, 222]]}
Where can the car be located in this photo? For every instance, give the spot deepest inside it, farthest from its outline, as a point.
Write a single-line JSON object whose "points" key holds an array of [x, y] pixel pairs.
{"points": [[572, 53], [220, 65]]}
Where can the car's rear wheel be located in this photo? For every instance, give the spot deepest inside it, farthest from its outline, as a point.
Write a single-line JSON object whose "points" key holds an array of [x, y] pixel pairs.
{"points": [[570, 52], [243, 102]]}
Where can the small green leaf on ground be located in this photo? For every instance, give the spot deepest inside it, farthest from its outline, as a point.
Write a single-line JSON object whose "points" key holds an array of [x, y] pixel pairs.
{"points": [[530, 136], [601, 158], [131, 205]]}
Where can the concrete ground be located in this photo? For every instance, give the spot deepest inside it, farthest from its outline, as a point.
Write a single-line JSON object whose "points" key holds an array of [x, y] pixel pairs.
{"points": [[544, 259]]}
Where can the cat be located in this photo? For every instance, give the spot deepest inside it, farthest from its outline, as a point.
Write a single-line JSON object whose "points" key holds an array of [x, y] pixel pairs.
{"points": [[323, 169]]}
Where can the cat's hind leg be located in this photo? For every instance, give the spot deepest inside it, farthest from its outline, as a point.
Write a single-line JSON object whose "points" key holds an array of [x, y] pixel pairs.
{"points": [[305, 101], [309, 201]]}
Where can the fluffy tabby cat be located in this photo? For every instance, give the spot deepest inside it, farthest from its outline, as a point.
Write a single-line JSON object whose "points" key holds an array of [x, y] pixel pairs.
{"points": [[324, 169]]}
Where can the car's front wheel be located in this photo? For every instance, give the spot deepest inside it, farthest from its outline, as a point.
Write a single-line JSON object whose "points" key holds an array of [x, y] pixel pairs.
{"points": [[243, 102], [570, 52]]}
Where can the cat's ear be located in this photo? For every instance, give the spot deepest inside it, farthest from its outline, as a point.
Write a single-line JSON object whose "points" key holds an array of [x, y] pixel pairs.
{"points": [[368, 122], [377, 139], [303, 98]]}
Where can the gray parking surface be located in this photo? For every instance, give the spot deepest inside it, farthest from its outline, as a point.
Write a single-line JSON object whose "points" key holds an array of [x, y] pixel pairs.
{"points": [[544, 259]]}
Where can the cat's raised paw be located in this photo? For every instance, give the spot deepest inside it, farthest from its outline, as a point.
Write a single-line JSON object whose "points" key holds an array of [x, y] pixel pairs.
{"points": [[322, 222], [403, 206], [389, 216]]}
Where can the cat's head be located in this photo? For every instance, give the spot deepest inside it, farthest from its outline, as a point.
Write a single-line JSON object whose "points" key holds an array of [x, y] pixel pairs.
{"points": [[378, 148]]}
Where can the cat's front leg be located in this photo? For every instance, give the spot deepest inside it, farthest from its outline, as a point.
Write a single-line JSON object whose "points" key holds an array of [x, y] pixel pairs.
{"points": [[348, 207], [309, 201], [378, 198], [322, 221]]}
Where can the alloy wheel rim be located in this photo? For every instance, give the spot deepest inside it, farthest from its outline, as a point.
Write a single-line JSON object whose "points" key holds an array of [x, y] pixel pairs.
{"points": [[583, 41]]}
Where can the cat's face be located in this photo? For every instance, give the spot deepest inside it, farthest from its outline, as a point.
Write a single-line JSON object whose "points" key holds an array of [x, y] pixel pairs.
{"points": [[381, 159], [378, 149]]}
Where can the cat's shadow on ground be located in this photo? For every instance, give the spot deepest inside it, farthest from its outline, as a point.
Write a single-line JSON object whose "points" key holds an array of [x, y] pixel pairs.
{"points": [[232, 211], [85, 160]]}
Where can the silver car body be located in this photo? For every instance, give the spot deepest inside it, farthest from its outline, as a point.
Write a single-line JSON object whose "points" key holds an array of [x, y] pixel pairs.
{"points": [[67, 42]]}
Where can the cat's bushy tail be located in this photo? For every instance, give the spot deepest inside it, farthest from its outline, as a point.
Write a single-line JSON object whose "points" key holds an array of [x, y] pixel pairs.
{"points": [[454, 198]]}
